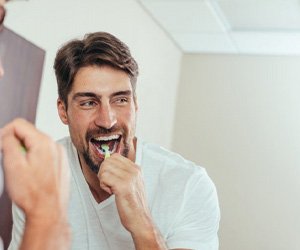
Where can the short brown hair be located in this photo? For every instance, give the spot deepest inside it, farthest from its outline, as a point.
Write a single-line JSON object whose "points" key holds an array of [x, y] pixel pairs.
{"points": [[100, 49]]}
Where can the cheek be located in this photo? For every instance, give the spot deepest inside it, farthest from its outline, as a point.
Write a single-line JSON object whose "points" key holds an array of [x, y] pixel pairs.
{"points": [[128, 116], [77, 129], [78, 121], [130, 120]]}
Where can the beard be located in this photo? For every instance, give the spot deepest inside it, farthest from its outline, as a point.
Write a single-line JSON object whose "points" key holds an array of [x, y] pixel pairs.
{"points": [[93, 164]]}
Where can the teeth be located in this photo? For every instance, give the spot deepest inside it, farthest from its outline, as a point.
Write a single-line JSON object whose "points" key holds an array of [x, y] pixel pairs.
{"points": [[107, 138]]}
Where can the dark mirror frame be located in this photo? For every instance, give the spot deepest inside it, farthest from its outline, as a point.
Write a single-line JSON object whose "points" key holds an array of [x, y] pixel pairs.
{"points": [[23, 64]]}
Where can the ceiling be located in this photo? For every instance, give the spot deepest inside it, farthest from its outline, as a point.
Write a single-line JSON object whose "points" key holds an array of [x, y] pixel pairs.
{"points": [[267, 27]]}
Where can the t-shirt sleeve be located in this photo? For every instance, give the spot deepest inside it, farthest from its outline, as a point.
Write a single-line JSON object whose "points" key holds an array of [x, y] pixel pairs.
{"points": [[197, 223], [18, 228]]}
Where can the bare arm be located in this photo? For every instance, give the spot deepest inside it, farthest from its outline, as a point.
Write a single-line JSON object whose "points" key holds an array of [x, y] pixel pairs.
{"points": [[148, 238], [122, 177], [38, 182], [43, 235]]}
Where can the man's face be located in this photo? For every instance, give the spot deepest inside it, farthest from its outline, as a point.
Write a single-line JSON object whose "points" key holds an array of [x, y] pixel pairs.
{"points": [[101, 110]]}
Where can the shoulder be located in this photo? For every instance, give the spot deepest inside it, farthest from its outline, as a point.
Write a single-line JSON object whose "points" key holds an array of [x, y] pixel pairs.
{"points": [[65, 141], [71, 152], [172, 167], [170, 160], [180, 184]]}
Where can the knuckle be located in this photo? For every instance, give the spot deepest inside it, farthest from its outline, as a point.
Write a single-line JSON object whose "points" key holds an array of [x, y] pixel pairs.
{"points": [[103, 175], [136, 171], [18, 121]]}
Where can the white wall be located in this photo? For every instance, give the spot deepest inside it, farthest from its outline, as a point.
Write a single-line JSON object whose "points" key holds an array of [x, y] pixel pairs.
{"points": [[49, 24], [239, 116]]}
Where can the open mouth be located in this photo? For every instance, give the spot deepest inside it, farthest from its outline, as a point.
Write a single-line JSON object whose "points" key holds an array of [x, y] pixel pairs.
{"points": [[111, 141]]}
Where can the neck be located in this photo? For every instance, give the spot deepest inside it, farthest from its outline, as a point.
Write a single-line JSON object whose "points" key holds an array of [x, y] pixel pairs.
{"points": [[93, 182]]}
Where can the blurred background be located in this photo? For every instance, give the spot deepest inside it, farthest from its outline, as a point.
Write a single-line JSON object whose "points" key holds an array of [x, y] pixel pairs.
{"points": [[219, 83]]}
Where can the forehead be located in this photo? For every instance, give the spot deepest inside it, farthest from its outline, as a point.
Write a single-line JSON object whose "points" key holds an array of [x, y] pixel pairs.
{"points": [[100, 80]]}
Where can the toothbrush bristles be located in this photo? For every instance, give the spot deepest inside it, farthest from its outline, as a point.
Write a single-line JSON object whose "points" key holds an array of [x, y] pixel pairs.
{"points": [[105, 149]]}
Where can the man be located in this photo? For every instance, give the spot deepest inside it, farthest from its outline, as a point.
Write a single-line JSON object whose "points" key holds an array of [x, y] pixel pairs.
{"points": [[41, 170], [125, 194]]}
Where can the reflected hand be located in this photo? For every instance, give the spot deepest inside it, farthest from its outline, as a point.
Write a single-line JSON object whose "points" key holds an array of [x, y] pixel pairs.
{"points": [[38, 180]]}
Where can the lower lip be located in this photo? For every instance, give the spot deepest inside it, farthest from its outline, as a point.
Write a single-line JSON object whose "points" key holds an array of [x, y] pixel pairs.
{"points": [[94, 148]]}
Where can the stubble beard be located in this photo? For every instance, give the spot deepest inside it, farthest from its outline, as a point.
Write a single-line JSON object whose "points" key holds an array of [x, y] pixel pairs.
{"points": [[96, 166], [93, 164]]}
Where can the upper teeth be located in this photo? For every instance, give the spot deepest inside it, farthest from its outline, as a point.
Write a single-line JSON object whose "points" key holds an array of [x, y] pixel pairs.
{"points": [[107, 138]]}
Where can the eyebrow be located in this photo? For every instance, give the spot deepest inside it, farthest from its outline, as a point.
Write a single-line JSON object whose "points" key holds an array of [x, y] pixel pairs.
{"points": [[124, 92], [84, 94], [93, 95]]}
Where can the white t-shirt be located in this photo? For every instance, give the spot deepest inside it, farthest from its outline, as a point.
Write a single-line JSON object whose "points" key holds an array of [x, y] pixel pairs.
{"points": [[181, 197]]}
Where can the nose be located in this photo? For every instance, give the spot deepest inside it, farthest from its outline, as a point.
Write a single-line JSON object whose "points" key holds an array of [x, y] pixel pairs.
{"points": [[106, 117]]}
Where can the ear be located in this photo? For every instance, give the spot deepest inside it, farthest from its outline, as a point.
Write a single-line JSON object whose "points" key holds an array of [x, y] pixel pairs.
{"points": [[62, 111]]}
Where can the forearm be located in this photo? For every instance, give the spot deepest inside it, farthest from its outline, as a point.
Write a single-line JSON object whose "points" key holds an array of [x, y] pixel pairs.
{"points": [[46, 235], [149, 239]]}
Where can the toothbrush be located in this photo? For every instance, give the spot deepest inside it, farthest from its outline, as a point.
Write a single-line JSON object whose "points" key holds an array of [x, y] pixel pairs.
{"points": [[23, 149], [105, 148]]}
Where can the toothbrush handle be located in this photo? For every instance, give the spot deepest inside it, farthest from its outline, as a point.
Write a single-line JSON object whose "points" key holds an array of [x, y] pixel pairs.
{"points": [[107, 155]]}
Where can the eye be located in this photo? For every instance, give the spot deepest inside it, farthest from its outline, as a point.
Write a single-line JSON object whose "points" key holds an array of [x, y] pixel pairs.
{"points": [[88, 104], [122, 100]]}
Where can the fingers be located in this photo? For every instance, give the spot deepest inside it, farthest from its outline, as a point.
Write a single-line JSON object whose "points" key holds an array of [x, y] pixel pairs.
{"points": [[106, 188], [23, 130], [116, 166], [117, 173], [13, 156], [121, 162], [43, 169]]}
